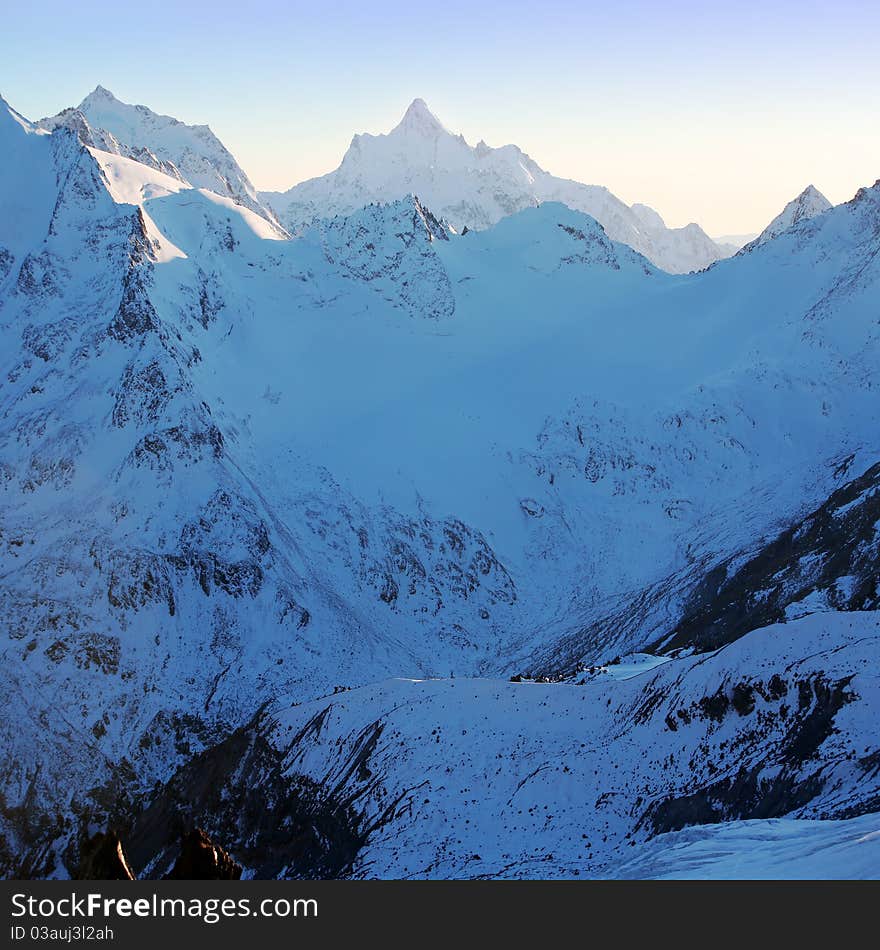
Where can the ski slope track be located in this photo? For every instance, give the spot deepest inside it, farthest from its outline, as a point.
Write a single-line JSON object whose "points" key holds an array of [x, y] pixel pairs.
{"points": [[281, 516]]}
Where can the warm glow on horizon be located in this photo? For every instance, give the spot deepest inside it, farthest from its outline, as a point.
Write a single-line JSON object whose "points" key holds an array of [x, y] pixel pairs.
{"points": [[718, 116]]}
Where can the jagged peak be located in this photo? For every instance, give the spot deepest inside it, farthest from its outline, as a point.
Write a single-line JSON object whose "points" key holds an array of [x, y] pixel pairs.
{"points": [[407, 207], [100, 107], [808, 204], [811, 191], [71, 116], [75, 121], [869, 192], [474, 186], [810, 196], [420, 119], [101, 98], [98, 94]]}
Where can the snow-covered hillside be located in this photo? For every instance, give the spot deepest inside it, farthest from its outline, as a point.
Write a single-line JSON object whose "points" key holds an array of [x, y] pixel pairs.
{"points": [[809, 203], [238, 470], [189, 152], [474, 187], [463, 778], [774, 849]]}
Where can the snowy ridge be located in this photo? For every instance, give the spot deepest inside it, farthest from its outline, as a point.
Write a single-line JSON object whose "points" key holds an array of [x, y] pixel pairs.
{"points": [[809, 203], [76, 122], [474, 187], [189, 152], [488, 779]]}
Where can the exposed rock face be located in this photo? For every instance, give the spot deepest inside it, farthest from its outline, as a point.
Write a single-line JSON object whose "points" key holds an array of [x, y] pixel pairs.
{"points": [[277, 825], [103, 859], [760, 789], [201, 860], [390, 248], [830, 560], [825, 560], [76, 122]]}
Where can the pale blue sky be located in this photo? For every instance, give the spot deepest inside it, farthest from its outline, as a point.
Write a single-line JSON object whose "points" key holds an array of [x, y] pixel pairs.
{"points": [[708, 112]]}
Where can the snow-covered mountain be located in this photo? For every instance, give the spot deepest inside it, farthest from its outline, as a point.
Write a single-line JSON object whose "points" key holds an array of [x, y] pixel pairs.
{"points": [[809, 203], [191, 153], [489, 779], [474, 187], [240, 471]]}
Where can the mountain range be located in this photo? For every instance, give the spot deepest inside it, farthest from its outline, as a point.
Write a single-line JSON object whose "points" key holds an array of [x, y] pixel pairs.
{"points": [[375, 548], [473, 187], [190, 153]]}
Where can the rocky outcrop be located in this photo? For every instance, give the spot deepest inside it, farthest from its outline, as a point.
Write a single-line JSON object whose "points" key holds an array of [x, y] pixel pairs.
{"points": [[201, 860], [238, 792], [390, 248], [775, 785], [103, 859], [829, 560]]}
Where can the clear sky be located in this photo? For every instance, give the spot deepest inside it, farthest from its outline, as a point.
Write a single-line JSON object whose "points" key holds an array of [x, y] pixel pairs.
{"points": [[709, 112]]}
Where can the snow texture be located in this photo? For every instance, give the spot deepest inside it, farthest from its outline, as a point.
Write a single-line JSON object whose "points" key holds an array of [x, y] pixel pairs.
{"points": [[239, 469]]}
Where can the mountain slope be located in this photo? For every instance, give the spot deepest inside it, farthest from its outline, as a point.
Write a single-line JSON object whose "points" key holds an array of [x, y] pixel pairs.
{"points": [[189, 152], [809, 203], [169, 563], [489, 779], [239, 471], [474, 187], [28, 189], [774, 849]]}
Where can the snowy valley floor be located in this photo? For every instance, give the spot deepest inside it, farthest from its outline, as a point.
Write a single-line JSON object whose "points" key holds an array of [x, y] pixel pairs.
{"points": [[477, 778]]}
